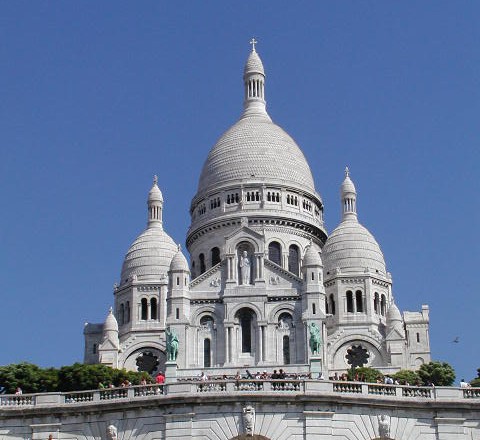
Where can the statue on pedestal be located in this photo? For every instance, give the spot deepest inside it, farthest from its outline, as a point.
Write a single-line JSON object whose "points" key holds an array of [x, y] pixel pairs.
{"points": [[249, 419], [315, 338], [172, 344]]}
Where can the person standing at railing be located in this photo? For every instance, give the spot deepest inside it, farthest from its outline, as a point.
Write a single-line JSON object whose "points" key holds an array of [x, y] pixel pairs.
{"points": [[464, 384], [160, 378], [18, 391]]}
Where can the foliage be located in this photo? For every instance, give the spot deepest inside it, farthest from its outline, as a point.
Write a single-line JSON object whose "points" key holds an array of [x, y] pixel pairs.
{"points": [[33, 379], [29, 377], [366, 374], [407, 376], [438, 373], [476, 382]]}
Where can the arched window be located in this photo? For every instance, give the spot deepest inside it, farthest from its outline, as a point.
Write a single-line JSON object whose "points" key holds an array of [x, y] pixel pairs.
{"points": [[122, 314], [201, 257], [193, 269], [275, 252], [207, 322], [293, 253], [332, 304], [314, 309], [144, 303], [383, 305], [349, 301], [359, 301], [153, 308], [215, 256], [376, 304], [207, 353], [94, 348], [245, 318], [327, 308], [286, 349], [127, 312]]}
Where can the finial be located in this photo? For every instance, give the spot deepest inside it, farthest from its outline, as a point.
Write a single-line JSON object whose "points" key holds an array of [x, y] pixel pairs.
{"points": [[179, 247], [155, 179], [347, 172], [253, 42], [110, 311]]}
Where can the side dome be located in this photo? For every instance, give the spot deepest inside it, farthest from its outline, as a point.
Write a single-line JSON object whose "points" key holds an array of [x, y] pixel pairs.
{"points": [[149, 256], [256, 148], [179, 262], [312, 257], [351, 247]]}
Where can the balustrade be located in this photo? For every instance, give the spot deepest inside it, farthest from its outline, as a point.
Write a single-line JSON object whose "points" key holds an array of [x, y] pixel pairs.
{"points": [[222, 385]]}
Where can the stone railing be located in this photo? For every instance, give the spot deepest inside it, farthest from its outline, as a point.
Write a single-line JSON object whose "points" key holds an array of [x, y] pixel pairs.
{"points": [[232, 386]]}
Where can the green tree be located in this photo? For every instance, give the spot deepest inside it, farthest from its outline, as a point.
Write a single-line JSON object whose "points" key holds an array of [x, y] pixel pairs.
{"points": [[476, 382], [29, 377], [407, 376], [370, 375], [438, 373]]}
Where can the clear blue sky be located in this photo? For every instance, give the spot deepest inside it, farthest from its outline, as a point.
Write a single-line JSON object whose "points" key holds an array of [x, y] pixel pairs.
{"points": [[96, 97]]}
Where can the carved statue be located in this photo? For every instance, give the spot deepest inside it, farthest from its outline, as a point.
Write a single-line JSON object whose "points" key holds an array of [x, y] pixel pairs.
{"points": [[383, 426], [245, 268], [172, 344], [249, 419], [315, 338], [111, 432]]}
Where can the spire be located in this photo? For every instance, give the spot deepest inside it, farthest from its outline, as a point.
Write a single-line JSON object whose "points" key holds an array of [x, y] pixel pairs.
{"points": [[155, 205], [254, 82], [349, 198]]}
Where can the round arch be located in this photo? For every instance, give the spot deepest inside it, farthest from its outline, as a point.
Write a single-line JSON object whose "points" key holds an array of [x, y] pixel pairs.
{"points": [[205, 310], [376, 359], [278, 310], [146, 358], [244, 305]]}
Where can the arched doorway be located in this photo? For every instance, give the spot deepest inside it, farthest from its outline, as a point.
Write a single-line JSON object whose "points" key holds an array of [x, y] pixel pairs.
{"points": [[246, 342]]}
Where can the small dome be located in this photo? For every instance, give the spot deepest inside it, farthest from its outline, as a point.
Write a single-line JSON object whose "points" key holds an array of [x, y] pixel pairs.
{"points": [[149, 256], [347, 185], [155, 195], [352, 248], [179, 262], [111, 323], [312, 257], [254, 64], [393, 314]]}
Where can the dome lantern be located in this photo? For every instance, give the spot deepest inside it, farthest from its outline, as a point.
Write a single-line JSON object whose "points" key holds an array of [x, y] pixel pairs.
{"points": [[254, 82], [155, 204], [349, 198]]}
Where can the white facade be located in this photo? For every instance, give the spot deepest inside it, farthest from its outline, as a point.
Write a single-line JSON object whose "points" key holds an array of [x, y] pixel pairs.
{"points": [[256, 206]]}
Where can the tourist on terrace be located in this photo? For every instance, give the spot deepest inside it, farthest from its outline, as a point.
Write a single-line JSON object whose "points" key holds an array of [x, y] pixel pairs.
{"points": [[464, 384], [18, 391], [160, 378]]}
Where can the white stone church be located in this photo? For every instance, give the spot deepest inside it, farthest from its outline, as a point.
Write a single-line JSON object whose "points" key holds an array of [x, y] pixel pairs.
{"points": [[262, 270]]}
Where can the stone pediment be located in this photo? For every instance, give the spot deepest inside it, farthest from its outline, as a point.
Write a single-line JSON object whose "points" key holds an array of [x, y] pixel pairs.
{"points": [[394, 335], [108, 345], [244, 232], [210, 280], [277, 276]]}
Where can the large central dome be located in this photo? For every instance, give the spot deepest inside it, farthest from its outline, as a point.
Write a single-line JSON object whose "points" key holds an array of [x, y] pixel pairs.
{"points": [[256, 148]]}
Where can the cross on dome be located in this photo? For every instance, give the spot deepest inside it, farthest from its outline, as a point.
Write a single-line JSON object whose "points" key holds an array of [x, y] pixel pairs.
{"points": [[253, 42], [347, 172], [155, 179]]}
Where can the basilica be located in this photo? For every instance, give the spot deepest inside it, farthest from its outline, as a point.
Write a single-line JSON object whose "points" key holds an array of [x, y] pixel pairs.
{"points": [[266, 286]]}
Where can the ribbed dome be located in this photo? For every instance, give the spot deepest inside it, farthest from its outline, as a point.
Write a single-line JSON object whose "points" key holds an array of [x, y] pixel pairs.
{"points": [[149, 255], [179, 262], [352, 248], [312, 257], [256, 148]]}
